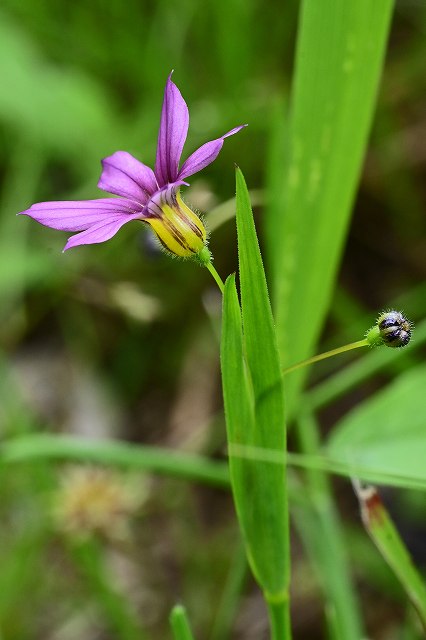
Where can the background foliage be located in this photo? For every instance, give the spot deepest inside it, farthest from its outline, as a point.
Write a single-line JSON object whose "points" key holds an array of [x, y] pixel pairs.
{"points": [[119, 341]]}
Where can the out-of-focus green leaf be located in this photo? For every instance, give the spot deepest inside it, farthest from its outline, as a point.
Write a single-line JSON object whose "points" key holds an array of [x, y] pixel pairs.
{"points": [[254, 408], [350, 470], [117, 614], [145, 458], [388, 432], [180, 624], [14, 271], [61, 109], [320, 528], [338, 63]]}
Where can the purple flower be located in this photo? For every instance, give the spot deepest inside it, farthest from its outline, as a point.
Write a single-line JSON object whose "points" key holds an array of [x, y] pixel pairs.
{"points": [[147, 195]]}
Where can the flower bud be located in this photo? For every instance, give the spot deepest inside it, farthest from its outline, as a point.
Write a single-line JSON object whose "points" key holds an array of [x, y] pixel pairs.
{"points": [[392, 329]]}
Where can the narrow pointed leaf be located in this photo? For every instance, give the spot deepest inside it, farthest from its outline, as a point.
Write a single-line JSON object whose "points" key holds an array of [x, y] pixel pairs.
{"points": [[254, 408], [180, 624], [339, 59], [258, 324]]}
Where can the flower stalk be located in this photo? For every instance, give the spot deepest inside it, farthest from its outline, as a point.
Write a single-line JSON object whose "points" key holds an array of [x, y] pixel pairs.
{"points": [[327, 354], [216, 276], [392, 329]]}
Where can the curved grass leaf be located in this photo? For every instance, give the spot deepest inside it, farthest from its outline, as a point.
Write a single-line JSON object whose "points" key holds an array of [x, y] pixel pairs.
{"points": [[188, 466]]}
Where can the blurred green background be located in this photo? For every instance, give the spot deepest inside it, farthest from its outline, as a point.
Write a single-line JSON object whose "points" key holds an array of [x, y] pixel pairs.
{"points": [[118, 340]]}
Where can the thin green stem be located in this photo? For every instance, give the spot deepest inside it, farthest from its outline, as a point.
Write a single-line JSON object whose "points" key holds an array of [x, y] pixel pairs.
{"points": [[327, 354], [117, 613], [231, 595], [279, 617], [357, 372], [129, 456], [216, 276], [322, 532]]}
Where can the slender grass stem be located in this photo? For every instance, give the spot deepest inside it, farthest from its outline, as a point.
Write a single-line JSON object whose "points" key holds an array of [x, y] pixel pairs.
{"points": [[117, 613], [320, 527], [357, 372], [279, 616], [327, 354], [216, 276], [231, 595], [144, 458]]}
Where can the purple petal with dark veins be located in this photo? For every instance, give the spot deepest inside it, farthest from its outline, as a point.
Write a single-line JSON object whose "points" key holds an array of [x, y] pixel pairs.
{"points": [[205, 155], [172, 135], [101, 231], [80, 214], [125, 176]]}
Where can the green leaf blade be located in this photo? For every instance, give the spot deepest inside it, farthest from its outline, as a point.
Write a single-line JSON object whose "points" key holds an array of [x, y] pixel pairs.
{"points": [[238, 395], [180, 623], [259, 332], [387, 432], [254, 408], [339, 58]]}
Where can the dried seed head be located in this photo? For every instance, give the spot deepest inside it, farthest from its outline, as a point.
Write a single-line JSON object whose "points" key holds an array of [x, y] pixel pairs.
{"points": [[95, 500]]}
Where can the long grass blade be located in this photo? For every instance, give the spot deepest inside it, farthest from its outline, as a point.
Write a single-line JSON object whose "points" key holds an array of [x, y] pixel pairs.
{"points": [[187, 466], [253, 395], [339, 58]]}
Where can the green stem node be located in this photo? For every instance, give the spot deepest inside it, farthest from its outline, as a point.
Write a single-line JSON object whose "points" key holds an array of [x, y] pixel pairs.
{"points": [[279, 616]]}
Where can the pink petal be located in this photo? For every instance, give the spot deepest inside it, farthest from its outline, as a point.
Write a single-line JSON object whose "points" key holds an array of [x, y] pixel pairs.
{"points": [[101, 231], [172, 135], [205, 155], [81, 214], [125, 176]]}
